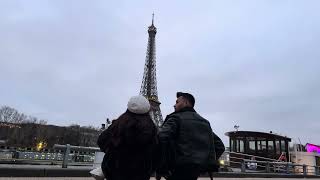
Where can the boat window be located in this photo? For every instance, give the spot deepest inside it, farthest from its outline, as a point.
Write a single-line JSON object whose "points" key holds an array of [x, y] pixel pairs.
{"points": [[270, 146], [252, 146], [231, 145], [317, 161], [259, 146], [278, 147], [237, 145], [283, 146], [262, 146], [241, 146]]}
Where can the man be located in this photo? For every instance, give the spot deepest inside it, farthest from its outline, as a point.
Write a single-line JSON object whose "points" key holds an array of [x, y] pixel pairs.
{"points": [[189, 140]]}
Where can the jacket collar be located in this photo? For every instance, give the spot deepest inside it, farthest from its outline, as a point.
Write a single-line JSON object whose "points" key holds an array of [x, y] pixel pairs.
{"points": [[186, 109], [183, 110]]}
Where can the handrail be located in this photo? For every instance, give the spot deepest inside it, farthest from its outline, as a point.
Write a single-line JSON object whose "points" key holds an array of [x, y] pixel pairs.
{"points": [[272, 164], [260, 157], [67, 149], [286, 167], [83, 148]]}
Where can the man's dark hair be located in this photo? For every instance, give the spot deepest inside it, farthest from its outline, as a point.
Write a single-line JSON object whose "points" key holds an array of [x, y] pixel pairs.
{"points": [[187, 96]]}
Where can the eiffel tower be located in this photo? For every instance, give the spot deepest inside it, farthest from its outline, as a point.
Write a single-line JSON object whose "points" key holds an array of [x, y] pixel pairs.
{"points": [[149, 81]]}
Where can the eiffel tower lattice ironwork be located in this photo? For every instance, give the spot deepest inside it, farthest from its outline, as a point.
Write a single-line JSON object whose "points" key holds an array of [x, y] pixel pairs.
{"points": [[149, 81]]}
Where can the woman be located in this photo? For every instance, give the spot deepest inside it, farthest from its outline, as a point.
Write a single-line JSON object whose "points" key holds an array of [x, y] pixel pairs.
{"points": [[129, 143]]}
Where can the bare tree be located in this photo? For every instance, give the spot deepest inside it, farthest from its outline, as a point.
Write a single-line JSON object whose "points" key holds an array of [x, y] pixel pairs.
{"points": [[42, 122], [21, 118], [8, 114], [22, 130], [32, 120]]}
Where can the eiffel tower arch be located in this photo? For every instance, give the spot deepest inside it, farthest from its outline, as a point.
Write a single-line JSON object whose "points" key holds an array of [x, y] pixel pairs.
{"points": [[149, 80]]}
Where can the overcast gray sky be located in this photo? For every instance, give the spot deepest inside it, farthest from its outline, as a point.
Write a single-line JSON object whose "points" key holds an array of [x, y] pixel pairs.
{"points": [[250, 63]]}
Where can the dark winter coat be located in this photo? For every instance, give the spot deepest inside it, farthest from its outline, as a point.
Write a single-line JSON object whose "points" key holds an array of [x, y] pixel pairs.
{"points": [[129, 144], [190, 138]]}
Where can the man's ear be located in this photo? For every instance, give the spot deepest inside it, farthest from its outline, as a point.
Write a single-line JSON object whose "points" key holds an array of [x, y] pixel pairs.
{"points": [[187, 103]]}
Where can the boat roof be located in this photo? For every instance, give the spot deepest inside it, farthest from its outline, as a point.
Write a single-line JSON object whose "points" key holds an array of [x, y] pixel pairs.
{"points": [[256, 134]]}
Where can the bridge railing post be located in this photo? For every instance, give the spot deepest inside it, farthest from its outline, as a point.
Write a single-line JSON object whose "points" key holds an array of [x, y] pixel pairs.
{"points": [[304, 167], [243, 166], [288, 168], [66, 156], [267, 167], [316, 170]]}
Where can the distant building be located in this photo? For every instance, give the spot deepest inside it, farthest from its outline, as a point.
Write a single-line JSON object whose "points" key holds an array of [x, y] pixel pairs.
{"points": [[308, 155], [29, 135]]}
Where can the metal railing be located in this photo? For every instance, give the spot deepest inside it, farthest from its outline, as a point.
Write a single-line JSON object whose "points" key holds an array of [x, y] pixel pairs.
{"points": [[67, 148], [250, 156], [245, 163], [238, 160], [281, 167]]}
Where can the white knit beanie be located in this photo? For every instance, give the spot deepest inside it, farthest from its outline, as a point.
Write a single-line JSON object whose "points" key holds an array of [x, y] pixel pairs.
{"points": [[138, 105]]}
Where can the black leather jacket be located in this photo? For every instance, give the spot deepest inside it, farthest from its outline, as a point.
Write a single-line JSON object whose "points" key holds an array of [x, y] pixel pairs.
{"points": [[191, 136]]}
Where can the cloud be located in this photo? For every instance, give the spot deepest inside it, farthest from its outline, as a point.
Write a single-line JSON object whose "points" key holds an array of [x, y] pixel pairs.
{"points": [[254, 64]]}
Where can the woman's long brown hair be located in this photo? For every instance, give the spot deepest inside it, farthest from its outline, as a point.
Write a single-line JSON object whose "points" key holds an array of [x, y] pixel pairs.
{"points": [[132, 129]]}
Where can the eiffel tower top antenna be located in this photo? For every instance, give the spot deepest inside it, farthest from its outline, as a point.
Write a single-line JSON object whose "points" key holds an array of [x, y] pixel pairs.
{"points": [[152, 17]]}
